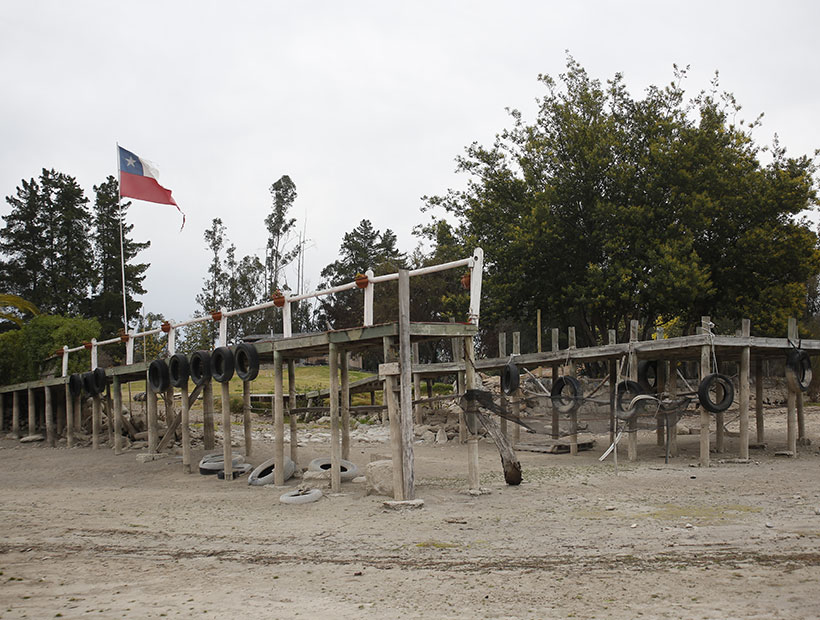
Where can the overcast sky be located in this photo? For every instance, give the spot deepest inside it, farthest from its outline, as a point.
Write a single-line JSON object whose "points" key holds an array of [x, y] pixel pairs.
{"points": [[364, 104]]}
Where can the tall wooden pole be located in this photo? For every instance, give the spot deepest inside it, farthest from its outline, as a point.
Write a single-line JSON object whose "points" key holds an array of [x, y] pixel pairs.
{"points": [[116, 387], [335, 444], [391, 354], [406, 403], [705, 420], [279, 421], [472, 383], [791, 399], [743, 379], [632, 440]]}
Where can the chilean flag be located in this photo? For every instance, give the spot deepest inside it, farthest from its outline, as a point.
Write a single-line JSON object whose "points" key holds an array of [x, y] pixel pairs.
{"points": [[138, 179]]}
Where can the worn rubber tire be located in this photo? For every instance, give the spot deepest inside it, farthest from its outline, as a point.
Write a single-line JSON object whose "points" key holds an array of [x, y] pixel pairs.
{"points": [[200, 367], [88, 384], [301, 497], [566, 394], [211, 464], [510, 379], [264, 472], [246, 360], [159, 378], [100, 380], [222, 364], [75, 385], [648, 376], [178, 370], [349, 470], [625, 391], [241, 470], [798, 369], [705, 392]]}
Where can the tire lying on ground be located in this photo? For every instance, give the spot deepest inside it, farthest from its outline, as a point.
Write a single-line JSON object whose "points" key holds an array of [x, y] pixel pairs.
{"points": [[246, 360], [263, 473], [798, 369], [238, 471], [625, 391], [212, 464], [159, 378], [349, 470], [299, 496], [200, 367], [222, 364], [178, 370], [566, 394], [75, 385], [648, 375], [716, 392]]}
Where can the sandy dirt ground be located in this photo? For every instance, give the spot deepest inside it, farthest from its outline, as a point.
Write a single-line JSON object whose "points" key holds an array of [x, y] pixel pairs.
{"points": [[90, 534]]}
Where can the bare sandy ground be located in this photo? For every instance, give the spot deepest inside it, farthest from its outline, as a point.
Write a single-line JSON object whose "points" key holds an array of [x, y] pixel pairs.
{"points": [[89, 534]]}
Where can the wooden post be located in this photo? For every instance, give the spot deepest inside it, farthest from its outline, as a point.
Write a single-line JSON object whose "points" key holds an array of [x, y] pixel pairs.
{"points": [[745, 332], [344, 363], [116, 387], [705, 364], [335, 445], [613, 381], [49, 414], [227, 450], [502, 353], [391, 354], [32, 419], [96, 419], [660, 421], [417, 409], [632, 443], [458, 356], [246, 417], [406, 402], [759, 400], [279, 418], [69, 418], [573, 415], [186, 429], [15, 414], [169, 413], [208, 437], [791, 401], [473, 478], [672, 386], [720, 426], [59, 415], [153, 434], [554, 371], [516, 399], [78, 413], [294, 436]]}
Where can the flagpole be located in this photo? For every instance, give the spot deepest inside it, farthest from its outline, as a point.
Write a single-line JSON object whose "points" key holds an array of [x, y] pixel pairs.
{"points": [[122, 245]]}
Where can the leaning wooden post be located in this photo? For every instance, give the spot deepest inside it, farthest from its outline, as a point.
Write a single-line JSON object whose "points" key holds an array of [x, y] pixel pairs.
{"points": [[759, 400], [279, 420], [391, 355], [344, 363], [554, 374], [246, 417], [417, 409], [227, 452], [632, 443], [153, 433], [208, 435], [49, 414], [705, 366], [69, 418], [745, 333], [613, 383], [406, 385], [15, 414], [116, 387], [516, 401], [502, 353], [573, 415], [335, 445], [32, 415], [186, 429], [473, 478], [791, 401], [294, 435]]}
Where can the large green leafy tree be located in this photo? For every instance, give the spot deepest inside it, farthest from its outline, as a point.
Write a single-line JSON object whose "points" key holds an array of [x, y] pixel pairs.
{"points": [[45, 244], [106, 302], [608, 208]]}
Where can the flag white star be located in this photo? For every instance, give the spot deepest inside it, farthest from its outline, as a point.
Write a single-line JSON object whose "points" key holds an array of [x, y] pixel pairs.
{"points": [[131, 161]]}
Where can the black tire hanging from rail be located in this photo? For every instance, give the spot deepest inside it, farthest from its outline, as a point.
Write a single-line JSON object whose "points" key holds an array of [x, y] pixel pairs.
{"points": [[510, 378], [625, 391], [648, 375], [200, 367], [222, 364], [178, 370], [566, 394], [246, 360], [798, 369], [716, 380], [88, 384], [159, 379], [75, 385], [100, 380]]}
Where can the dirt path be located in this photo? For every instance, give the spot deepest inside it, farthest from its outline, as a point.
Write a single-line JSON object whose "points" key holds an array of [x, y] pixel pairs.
{"points": [[90, 534]]}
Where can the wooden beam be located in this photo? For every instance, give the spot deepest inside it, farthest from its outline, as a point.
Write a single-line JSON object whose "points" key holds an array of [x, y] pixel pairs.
{"points": [[69, 418], [294, 436], [153, 431], [759, 429], [116, 387], [743, 380], [791, 399], [335, 444], [632, 439], [279, 421], [705, 420], [406, 402], [344, 361], [186, 428], [48, 408], [472, 383], [246, 418], [208, 437], [15, 415], [391, 354], [227, 449]]}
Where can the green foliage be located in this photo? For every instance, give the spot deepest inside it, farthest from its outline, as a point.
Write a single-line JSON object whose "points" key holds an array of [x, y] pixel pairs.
{"points": [[608, 208], [19, 304], [23, 351]]}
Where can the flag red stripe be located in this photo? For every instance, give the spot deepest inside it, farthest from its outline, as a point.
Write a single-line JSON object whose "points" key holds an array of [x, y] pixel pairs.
{"points": [[144, 188]]}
